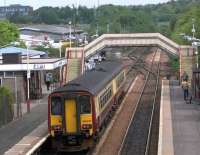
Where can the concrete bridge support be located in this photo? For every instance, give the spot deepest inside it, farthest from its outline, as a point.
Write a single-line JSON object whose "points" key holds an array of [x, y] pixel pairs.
{"points": [[187, 60]]}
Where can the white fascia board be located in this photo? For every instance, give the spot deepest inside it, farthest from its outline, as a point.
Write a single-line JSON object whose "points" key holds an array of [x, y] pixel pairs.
{"points": [[39, 66]]}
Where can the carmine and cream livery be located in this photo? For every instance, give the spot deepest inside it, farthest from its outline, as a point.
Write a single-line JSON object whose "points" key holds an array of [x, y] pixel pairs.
{"points": [[78, 110]]}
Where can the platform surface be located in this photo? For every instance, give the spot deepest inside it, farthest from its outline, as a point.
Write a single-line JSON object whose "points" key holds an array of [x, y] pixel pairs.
{"points": [[13, 132], [179, 123]]}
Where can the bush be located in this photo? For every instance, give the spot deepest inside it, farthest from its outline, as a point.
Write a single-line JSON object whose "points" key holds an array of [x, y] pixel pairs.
{"points": [[6, 106]]}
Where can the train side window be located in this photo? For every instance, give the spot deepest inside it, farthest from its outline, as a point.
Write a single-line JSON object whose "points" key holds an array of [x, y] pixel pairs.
{"points": [[84, 102], [56, 104]]}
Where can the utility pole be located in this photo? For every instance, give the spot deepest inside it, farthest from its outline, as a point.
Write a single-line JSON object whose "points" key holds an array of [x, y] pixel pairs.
{"points": [[97, 16], [28, 76], [193, 28], [77, 11], [108, 28], [70, 31]]}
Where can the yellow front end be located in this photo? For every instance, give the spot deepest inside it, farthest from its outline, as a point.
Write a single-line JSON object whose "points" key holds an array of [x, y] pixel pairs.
{"points": [[56, 124], [71, 120], [86, 124]]}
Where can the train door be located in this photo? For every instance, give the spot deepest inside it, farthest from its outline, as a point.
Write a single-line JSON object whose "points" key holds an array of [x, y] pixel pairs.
{"points": [[71, 116]]}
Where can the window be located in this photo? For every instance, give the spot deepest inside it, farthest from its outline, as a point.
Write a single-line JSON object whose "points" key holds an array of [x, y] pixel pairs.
{"points": [[104, 98], [56, 104], [84, 102], [120, 79], [8, 74]]}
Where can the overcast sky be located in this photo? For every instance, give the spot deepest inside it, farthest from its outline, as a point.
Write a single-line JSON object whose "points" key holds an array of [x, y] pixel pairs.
{"points": [[89, 3]]}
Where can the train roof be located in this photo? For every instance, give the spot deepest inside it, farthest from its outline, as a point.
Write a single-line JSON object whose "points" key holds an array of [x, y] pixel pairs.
{"points": [[93, 81]]}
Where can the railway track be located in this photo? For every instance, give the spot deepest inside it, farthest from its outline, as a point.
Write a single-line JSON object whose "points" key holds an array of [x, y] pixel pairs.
{"points": [[138, 137]]}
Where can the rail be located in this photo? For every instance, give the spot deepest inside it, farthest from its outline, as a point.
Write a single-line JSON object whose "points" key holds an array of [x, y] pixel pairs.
{"points": [[139, 100], [152, 113]]}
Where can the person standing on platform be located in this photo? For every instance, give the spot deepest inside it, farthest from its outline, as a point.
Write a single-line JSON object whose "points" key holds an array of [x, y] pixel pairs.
{"points": [[185, 87], [48, 80]]}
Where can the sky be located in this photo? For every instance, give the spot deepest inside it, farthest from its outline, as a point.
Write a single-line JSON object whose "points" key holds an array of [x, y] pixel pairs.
{"points": [[89, 3]]}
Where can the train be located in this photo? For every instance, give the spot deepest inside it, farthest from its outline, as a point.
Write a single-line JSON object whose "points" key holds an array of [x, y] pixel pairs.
{"points": [[79, 110]]}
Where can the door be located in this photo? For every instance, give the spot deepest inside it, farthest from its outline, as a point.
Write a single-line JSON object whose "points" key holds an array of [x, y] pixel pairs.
{"points": [[70, 116]]}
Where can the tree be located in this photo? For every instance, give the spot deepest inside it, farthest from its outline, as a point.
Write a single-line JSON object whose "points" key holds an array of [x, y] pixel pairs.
{"points": [[8, 33], [184, 24], [47, 15], [6, 105], [52, 52]]}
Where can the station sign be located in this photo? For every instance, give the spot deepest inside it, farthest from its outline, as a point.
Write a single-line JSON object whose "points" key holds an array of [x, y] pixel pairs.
{"points": [[33, 66]]}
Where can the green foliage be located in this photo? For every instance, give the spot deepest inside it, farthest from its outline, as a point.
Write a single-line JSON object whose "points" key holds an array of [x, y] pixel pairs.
{"points": [[184, 24], [48, 15], [8, 32], [174, 63], [5, 93], [21, 44], [52, 52], [121, 20], [169, 18]]}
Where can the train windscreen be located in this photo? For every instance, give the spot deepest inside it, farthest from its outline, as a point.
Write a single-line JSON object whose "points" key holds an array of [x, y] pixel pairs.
{"points": [[84, 102], [56, 105]]}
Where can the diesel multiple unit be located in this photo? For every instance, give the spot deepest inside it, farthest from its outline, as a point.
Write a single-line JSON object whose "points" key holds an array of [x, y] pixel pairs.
{"points": [[79, 109]]}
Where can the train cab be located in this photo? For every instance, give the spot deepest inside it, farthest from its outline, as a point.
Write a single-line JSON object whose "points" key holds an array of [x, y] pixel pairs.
{"points": [[71, 116]]}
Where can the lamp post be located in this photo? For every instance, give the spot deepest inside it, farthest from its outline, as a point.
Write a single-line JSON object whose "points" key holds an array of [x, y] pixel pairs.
{"points": [[195, 44], [60, 50], [108, 28], [28, 75], [193, 29], [70, 31]]}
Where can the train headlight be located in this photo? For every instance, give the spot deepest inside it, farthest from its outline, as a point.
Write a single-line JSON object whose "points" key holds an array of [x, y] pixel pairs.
{"points": [[86, 126]]}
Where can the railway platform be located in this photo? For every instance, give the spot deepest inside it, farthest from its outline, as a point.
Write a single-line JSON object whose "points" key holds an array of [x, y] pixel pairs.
{"points": [[179, 129], [19, 136]]}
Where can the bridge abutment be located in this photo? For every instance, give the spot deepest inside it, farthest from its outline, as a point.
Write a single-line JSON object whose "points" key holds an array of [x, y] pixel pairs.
{"points": [[187, 60]]}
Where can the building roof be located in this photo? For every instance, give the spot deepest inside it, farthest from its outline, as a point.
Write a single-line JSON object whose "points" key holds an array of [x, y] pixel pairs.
{"points": [[23, 51], [50, 29], [95, 80]]}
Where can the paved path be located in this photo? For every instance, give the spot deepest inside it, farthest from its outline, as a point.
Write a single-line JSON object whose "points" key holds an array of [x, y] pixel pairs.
{"points": [[16, 130]]}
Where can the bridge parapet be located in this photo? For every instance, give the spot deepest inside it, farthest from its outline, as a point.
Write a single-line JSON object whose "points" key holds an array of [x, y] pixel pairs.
{"points": [[134, 39]]}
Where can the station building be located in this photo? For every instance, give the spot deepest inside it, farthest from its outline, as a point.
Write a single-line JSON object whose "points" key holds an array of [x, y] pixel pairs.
{"points": [[14, 65], [45, 32], [15, 9]]}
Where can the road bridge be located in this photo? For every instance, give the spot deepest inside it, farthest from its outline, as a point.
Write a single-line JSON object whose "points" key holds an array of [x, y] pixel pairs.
{"points": [[76, 56]]}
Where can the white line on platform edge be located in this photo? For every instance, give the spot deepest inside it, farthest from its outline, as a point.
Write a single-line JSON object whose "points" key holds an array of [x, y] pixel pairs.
{"points": [[37, 145]]}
